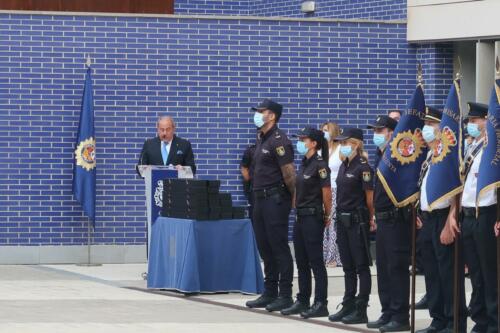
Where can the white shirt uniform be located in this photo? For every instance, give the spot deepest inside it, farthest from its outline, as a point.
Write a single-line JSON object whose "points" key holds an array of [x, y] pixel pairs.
{"points": [[470, 188], [334, 164], [424, 204]]}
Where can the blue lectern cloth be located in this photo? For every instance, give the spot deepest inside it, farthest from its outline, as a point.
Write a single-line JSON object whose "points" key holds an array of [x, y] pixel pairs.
{"points": [[204, 256]]}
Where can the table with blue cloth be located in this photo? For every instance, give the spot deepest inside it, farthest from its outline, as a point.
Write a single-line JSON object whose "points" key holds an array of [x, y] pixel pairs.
{"points": [[204, 256]]}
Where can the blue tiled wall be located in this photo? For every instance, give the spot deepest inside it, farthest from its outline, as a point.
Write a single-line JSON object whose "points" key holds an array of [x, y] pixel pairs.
{"points": [[204, 72], [343, 9]]}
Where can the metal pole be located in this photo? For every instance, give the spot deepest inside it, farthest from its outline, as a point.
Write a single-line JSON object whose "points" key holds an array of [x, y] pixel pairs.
{"points": [[89, 231], [88, 243], [413, 264]]}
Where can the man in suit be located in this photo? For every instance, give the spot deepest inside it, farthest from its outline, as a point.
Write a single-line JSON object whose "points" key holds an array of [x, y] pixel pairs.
{"points": [[167, 148]]}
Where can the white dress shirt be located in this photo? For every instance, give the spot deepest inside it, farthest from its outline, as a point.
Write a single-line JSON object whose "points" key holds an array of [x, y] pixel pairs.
{"points": [[469, 195], [424, 204]]}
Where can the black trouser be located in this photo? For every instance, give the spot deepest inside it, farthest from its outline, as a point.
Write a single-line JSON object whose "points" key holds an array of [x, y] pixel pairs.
{"points": [[308, 234], [480, 257], [438, 271], [393, 244], [270, 223], [354, 260]]}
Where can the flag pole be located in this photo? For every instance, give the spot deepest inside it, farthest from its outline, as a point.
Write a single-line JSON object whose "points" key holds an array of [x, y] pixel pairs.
{"points": [[413, 263], [456, 246], [89, 263], [414, 238]]}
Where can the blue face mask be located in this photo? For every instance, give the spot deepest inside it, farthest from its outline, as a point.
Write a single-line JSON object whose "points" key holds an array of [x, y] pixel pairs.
{"points": [[473, 130], [379, 140], [258, 119], [428, 133], [327, 135], [301, 147], [346, 151]]}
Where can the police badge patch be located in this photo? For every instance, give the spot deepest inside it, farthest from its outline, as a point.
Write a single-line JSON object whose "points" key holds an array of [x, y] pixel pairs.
{"points": [[367, 176], [447, 141], [322, 173], [406, 147], [280, 151], [85, 154]]}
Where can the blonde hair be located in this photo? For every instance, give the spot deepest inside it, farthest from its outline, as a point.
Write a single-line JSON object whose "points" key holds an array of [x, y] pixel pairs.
{"points": [[360, 150], [334, 131]]}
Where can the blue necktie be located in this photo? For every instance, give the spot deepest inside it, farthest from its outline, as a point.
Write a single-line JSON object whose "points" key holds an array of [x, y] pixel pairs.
{"points": [[164, 152]]}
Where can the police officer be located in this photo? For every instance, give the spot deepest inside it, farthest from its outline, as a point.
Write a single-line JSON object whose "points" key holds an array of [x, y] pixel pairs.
{"points": [[354, 212], [273, 190], [479, 242], [393, 246], [313, 202], [437, 239]]}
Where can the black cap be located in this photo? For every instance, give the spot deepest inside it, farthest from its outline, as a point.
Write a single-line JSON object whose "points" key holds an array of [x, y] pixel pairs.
{"points": [[348, 133], [477, 110], [271, 105], [311, 133], [382, 122], [433, 114]]}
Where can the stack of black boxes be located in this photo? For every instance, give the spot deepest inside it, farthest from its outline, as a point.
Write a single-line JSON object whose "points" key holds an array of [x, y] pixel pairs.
{"points": [[198, 200]]}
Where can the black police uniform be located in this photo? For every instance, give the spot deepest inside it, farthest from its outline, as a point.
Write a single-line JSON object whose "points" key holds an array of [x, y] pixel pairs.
{"points": [[393, 250], [272, 204], [351, 199], [308, 231], [247, 162], [354, 177], [393, 241], [438, 259], [478, 238]]}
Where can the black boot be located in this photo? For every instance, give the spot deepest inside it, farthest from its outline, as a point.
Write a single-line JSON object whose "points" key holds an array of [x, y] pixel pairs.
{"points": [[280, 303], [260, 302], [296, 308], [319, 309], [347, 308], [359, 315]]}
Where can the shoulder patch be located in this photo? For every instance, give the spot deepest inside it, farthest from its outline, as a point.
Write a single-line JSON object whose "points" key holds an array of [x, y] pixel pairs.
{"points": [[367, 176], [277, 134], [322, 173], [280, 151]]}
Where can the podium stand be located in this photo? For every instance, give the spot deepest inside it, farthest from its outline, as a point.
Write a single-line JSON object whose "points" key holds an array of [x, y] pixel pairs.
{"points": [[153, 178]]}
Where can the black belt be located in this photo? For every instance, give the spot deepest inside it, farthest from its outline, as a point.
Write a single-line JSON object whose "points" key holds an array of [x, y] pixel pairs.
{"points": [[387, 214], [267, 192], [471, 211], [436, 212], [307, 211]]}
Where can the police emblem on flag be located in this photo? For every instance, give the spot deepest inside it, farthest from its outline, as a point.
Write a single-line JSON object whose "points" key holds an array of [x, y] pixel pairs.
{"points": [[85, 154], [322, 173], [280, 151], [367, 176], [443, 148], [407, 146]]}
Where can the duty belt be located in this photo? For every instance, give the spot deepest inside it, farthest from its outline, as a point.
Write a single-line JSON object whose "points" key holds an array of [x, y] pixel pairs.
{"points": [[306, 211], [471, 211], [387, 215], [267, 192], [436, 212]]}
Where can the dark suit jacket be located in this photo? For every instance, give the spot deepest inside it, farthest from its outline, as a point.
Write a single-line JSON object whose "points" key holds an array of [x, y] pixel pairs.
{"points": [[180, 153]]}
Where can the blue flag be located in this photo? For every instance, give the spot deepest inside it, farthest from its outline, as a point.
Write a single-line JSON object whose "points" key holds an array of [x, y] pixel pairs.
{"points": [[444, 178], [84, 172], [489, 170], [400, 165]]}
